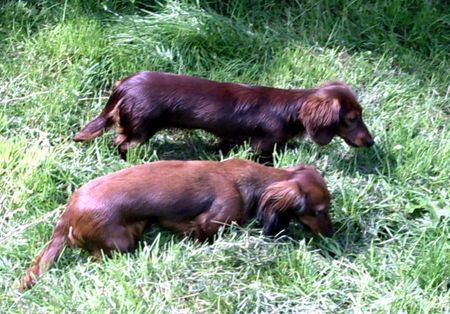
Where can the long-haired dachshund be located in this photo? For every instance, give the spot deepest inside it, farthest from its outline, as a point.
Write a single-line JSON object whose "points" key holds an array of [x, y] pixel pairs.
{"points": [[193, 198], [147, 102]]}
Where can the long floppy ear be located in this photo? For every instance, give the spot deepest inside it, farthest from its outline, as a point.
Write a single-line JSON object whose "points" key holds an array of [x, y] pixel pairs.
{"points": [[300, 167], [318, 114], [274, 206]]}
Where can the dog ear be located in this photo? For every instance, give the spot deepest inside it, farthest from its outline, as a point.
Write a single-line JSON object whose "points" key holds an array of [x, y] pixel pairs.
{"points": [[275, 224], [274, 207], [300, 167], [318, 114], [335, 83]]}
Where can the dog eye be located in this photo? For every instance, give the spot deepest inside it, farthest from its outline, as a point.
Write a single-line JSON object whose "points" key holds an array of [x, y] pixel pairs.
{"points": [[320, 213], [353, 119]]}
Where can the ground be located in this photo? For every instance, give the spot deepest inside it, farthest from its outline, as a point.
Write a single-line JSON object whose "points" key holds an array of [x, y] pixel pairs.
{"points": [[390, 207]]}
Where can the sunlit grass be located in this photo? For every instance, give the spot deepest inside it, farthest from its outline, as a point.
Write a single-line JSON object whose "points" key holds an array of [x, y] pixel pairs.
{"points": [[390, 203]]}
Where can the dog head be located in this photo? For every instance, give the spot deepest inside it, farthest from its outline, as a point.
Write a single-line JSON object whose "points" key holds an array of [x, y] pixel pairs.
{"points": [[332, 110], [305, 196]]}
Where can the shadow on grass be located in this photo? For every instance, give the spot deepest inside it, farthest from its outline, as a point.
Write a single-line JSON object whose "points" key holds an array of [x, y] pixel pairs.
{"points": [[378, 160], [342, 244], [184, 144], [188, 149]]}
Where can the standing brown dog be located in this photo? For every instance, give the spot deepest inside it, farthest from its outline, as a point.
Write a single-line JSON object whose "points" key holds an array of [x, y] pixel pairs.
{"points": [[147, 102], [193, 198]]}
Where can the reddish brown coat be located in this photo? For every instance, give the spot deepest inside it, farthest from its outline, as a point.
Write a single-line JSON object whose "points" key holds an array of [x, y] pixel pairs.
{"points": [[193, 198], [147, 102]]}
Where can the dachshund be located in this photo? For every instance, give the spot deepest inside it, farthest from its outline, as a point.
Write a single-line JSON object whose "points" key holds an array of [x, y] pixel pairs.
{"points": [[147, 102], [191, 198]]}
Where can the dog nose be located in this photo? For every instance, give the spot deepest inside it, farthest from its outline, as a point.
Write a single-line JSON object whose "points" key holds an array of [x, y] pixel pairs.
{"points": [[370, 142], [329, 232]]}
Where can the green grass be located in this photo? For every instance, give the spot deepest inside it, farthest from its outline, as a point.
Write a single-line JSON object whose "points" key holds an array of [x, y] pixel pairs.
{"points": [[391, 206]]}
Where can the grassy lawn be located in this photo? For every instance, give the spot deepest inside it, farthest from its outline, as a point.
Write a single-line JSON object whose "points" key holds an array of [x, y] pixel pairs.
{"points": [[391, 252]]}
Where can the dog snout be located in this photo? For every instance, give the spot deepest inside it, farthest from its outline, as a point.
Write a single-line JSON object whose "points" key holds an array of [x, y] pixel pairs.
{"points": [[329, 232], [370, 142]]}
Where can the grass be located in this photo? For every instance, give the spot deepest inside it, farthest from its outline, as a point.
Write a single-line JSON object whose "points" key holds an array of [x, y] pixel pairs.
{"points": [[391, 206]]}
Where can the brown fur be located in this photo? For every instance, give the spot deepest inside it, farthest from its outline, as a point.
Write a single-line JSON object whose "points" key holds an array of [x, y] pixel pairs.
{"points": [[147, 102], [193, 198]]}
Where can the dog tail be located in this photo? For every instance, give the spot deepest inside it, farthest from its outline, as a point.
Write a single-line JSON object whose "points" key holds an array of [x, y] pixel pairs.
{"points": [[47, 257], [104, 121]]}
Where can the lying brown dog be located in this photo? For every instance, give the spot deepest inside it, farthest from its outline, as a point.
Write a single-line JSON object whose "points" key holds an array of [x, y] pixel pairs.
{"points": [[193, 198], [147, 102]]}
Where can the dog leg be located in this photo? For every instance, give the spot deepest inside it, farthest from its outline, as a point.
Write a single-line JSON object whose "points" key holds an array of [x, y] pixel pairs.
{"points": [[125, 142], [225, 146], [222, 212]]}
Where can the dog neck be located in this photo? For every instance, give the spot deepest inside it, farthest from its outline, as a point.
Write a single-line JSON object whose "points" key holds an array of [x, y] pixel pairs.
{"points": [[253, 181]]}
